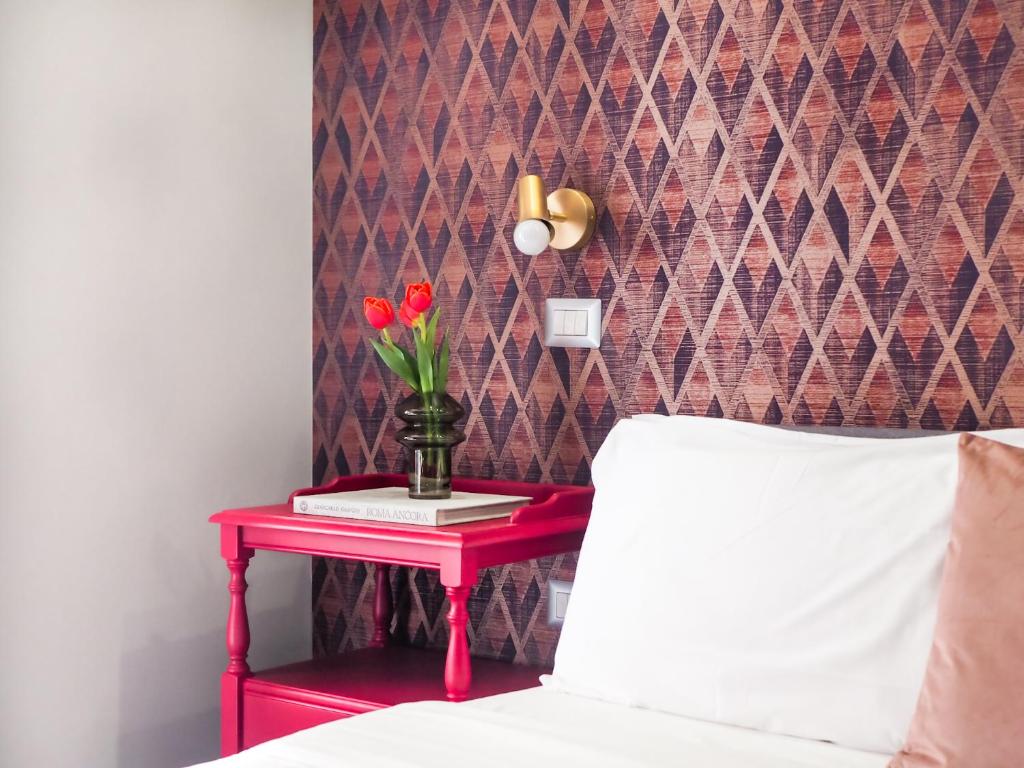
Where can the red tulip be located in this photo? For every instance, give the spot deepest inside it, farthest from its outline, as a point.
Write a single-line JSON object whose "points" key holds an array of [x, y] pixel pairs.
{"points": [[379, 312], [407, 314], [419, 296]]}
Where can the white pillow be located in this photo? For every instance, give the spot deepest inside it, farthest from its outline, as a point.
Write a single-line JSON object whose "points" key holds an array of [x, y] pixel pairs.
{"points": [[784, 584], [699, 430]]}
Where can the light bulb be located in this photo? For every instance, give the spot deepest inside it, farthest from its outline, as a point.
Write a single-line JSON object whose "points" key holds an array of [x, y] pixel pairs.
{"points": [[532, 236]]}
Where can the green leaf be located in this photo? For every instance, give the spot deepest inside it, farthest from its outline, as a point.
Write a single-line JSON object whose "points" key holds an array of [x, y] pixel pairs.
{"points": [[432, 329], [425, 363], [393, 359], [409, 359], [441, 374]]}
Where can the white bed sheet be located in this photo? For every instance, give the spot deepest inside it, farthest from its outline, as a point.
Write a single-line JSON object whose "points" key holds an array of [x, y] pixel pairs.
{"points": [[538, 727]]}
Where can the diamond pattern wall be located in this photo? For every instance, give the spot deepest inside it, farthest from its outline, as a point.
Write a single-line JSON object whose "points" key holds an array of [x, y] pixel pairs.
{"points": [[809, 211]]}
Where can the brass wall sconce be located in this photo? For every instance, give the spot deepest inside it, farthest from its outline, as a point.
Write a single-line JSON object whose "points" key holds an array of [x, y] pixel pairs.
{"points": [[564, 219]]}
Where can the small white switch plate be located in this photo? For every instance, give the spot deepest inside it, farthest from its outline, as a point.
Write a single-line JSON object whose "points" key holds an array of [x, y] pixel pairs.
{"points": [[558, 601], [572, 323]]}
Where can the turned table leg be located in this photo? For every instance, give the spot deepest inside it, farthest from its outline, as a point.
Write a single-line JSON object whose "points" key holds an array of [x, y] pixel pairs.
{"points": [[382, 607], [457, 672], [237, 637]]}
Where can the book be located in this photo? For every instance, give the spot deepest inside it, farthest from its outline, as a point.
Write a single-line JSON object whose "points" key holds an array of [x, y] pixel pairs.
{"points": [[393, 505]]}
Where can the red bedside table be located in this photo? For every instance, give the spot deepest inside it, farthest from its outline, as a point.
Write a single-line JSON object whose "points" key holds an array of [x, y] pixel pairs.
{"points": [[256, 707]]}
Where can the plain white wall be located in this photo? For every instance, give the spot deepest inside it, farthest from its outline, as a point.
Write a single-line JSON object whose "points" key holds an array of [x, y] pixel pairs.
{"points": [[155, 315]]}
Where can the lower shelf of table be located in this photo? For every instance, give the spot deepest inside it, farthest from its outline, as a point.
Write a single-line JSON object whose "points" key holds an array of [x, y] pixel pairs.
{"points": [[286, 699]]}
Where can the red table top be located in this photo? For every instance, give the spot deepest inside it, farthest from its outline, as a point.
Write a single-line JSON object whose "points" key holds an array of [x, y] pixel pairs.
{"points": [[553, 522]]}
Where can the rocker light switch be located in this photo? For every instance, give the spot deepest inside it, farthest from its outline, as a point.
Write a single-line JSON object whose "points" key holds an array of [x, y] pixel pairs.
{"points": [[558, 601], [572, 323]]}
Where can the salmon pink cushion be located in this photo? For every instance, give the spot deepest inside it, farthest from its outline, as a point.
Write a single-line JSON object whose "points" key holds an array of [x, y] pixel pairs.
{"points": [[970, 713]]}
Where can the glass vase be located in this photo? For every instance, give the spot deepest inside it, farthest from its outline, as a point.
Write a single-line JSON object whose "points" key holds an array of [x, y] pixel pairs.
{"points": [[428, 438]]}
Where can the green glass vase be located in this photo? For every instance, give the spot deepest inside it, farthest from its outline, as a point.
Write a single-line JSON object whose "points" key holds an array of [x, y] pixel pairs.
{"points": [[428, 438]]}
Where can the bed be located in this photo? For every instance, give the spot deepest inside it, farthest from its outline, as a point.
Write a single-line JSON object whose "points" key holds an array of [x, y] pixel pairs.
{"points": [[538, 727], [803, 607]]}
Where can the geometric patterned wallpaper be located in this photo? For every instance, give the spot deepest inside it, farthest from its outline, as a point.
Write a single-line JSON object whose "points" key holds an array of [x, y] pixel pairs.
{"points": [[809, 211]]}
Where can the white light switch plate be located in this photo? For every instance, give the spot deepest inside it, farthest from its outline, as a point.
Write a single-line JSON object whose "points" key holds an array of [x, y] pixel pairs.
{"points": [[572, 323], [558, 601]]}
